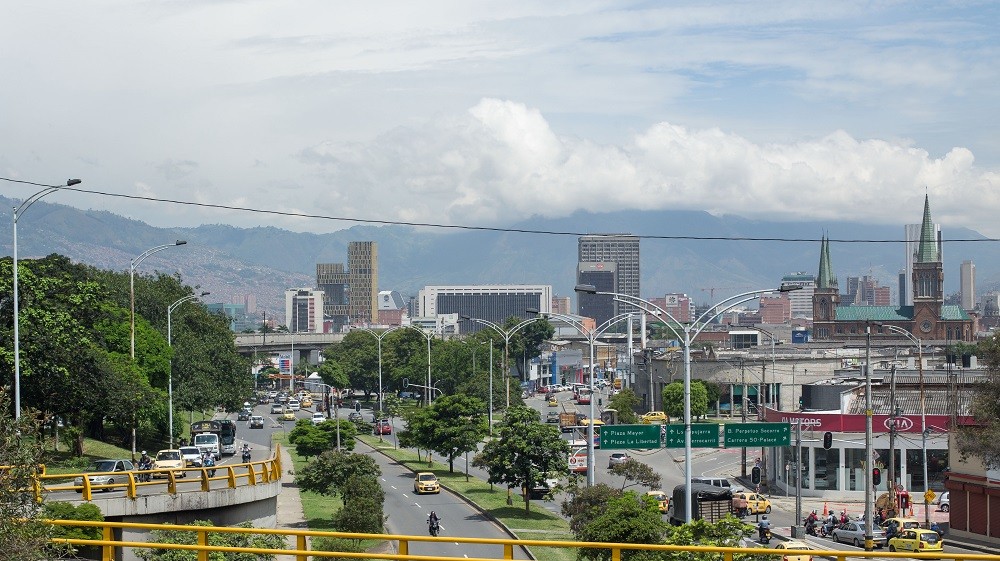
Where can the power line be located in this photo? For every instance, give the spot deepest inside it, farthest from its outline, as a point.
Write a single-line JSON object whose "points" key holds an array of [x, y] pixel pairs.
{"points": [[465, 226]]}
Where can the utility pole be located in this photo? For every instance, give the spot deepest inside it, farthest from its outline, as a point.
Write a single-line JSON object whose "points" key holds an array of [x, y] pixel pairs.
{"points": [[760, 417], [893, 413], [743, 415]]}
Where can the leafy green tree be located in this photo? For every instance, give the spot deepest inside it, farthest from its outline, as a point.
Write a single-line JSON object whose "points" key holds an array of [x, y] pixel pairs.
{"points": [[637, 473], [583, 503], [456, 425], [712, 392], [983, 439], [625, 403], [225, 539], [524, 452], [419, 430], [727, 532], [363, 506], [626, 519], [330, 472], [312, 440], [22, 534], [526, 344], [58, 510], [673, 400]]}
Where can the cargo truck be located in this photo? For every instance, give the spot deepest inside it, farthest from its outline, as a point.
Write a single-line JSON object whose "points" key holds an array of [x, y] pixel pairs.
{"points": [[708, 502], [568, 420]]}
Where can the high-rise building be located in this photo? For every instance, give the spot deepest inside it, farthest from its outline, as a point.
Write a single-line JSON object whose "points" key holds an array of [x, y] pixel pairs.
{"points": [[620, 249], [362, 274], [967, 279], [304, 310], [600, 275], [801, 299], [351, 293], [493, 303], [913, 233]]}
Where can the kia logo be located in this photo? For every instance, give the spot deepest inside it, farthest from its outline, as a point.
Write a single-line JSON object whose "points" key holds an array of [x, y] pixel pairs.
{"points": [[902, 423]]}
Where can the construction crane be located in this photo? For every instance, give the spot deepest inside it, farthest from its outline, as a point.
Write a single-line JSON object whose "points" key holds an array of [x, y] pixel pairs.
{"points": [[711, 289]]}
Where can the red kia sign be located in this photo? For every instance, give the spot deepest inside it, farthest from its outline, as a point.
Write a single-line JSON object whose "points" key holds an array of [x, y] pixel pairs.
{"points": [[840, 422]]}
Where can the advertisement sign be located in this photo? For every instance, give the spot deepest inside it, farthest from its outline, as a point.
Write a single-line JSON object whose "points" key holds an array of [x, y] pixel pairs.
{"points": [[842, 422]]}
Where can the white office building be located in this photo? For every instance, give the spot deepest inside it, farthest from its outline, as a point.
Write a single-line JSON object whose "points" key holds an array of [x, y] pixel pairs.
{"points": [[488, 302]]}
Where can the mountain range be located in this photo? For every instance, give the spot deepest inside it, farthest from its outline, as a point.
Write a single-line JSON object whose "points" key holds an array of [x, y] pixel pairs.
{"points": [[706, 256]]}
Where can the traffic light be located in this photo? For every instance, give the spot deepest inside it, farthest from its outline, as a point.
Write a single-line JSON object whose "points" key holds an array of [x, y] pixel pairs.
{"points": [[755, 475], [827, 440], [876, 477], [357, 407]]}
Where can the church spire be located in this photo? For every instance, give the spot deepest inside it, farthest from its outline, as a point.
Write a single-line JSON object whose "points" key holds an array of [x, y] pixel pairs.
{"points": [[927, 251], [825, 278]]}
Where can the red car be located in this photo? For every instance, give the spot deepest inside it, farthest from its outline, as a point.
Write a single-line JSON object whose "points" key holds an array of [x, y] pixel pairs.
{"points": [[382, 426]]}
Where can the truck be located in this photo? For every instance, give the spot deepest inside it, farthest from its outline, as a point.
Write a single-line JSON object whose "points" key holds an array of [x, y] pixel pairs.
{"points": [[207, 436], [709, 503], [568, 420]]}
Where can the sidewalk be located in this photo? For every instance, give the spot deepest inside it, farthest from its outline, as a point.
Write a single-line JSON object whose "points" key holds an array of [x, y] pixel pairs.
{"points": [[288, 515]]}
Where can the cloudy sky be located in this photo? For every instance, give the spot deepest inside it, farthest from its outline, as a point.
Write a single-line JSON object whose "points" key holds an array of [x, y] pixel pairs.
{"points": [[485, 113]]}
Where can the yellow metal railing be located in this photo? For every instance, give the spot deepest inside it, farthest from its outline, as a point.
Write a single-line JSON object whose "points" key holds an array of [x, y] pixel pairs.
{"points": [[262, 471], [505, 547]]}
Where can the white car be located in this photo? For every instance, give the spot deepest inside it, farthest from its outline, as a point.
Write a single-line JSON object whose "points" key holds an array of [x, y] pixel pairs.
{"points": [[318, 418], [293, 404]]}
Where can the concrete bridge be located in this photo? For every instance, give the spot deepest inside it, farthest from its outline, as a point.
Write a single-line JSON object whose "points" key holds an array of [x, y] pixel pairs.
{"points": [[305, 346]]}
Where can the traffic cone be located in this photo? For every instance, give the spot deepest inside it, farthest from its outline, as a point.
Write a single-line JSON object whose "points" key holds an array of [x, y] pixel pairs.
{"points": [[825, 510]]}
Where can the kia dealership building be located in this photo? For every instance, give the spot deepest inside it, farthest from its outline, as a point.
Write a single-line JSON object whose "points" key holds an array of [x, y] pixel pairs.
{"points": [[838, 406]]}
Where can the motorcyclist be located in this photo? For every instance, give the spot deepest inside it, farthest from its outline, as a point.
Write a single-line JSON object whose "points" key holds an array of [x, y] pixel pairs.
{"points": [[830, 523], [208, 461], [433, 523], [246, 453], [764, 529], [811, 521], [145, 464]]}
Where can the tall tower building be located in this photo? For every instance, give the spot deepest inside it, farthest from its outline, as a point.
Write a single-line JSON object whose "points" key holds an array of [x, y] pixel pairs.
{"points": [[913, 232], [620, 249], [304, 310], [332, 279], [967, 277], [362, 274], [801, 300]]}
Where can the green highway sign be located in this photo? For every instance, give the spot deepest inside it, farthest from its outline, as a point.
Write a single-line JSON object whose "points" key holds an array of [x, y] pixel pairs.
{"points": [[635, 437], [702, 436], [758, 434]]}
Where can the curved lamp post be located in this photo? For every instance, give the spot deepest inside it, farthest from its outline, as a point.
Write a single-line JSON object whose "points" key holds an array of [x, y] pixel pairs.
{"points": [[591, 335], [689, 331], [18, 211], [923, 412], [506, 334], [131, 287], [379, 335], [170, 376], [427, 335]]}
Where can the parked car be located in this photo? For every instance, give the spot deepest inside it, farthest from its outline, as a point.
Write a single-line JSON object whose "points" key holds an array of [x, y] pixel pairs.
{"points": [[854, 533], [917, 540], [108, 472], [426, 482], [168, 459], [191, 456], [943, 503], [618, 458], [794, 544], [318, 418], [256, 422]]}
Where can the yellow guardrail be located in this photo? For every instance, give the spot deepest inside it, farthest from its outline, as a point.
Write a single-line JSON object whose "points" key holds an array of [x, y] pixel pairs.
{"points": [[261, 471], [111, 546]]}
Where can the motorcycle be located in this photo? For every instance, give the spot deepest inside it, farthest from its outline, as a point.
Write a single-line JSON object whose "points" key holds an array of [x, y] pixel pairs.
{"points": [[209, 462], [765, 535], [246, 456], [144, 471], [811, 528], [434, 526]]}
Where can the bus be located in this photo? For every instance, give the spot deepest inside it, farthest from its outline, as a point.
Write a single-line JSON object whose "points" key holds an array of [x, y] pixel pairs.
{"points": [[228, 437]]}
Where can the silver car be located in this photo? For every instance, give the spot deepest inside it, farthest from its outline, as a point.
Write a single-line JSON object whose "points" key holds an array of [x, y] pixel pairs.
{"points": [[191, 456], [854, 533], [108, 472], [943, 502]]}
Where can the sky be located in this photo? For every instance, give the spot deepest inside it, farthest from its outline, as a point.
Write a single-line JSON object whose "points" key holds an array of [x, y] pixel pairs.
{"points": [[486, 113]]}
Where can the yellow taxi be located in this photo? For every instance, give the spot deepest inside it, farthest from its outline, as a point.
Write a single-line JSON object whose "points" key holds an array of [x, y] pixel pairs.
{"points": [[306, 401], [756, 504], [168, 459], [586, 422], [901, 523], [916, 540], [287, 415], [662, 502], [553, 402], [426, 482], [795, 544], [654, 417]]}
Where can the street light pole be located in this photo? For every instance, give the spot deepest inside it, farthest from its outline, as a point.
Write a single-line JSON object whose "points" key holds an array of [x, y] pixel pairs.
{"points": [[868, 437], [591, 335], [690, 331], [18, 211], [170, 374], [131, 287], [506, 334], [378, 336]]}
